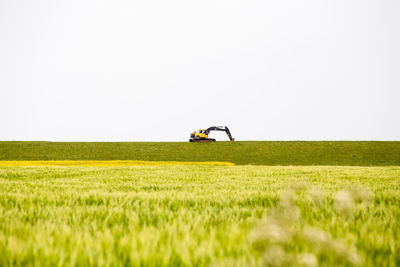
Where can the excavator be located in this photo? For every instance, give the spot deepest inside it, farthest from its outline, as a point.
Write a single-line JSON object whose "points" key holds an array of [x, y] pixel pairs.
{"points": [[202, 134]]}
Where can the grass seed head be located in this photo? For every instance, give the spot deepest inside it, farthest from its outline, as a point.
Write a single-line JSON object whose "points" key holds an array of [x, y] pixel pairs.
{"points": [[307, 260], [361, 194], [346, 253], [318, 197], [315, 235], [344, 201], [269, 233], [286, 211], [277, 233], [275, 256]]}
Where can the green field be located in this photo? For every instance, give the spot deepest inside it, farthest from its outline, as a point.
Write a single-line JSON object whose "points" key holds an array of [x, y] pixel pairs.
{"points": [[200, 215], [256, 153]]}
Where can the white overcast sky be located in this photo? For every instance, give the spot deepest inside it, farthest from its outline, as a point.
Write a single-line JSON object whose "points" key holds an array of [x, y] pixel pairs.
{"points": [[155, 70]]}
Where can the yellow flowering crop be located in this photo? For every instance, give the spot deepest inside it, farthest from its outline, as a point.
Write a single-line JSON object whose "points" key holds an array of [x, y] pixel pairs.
{"points": [[108, 163]]}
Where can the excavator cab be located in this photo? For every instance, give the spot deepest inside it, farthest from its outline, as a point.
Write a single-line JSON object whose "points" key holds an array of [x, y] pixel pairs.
{"points": [[202, 134]]}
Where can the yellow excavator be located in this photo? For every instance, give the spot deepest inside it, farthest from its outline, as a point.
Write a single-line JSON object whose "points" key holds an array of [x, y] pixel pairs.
{"points": [[202, 134]]}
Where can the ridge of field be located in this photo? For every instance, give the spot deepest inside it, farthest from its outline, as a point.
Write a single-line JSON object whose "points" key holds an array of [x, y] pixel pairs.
{"points": [[345, 153], [200, 216]]}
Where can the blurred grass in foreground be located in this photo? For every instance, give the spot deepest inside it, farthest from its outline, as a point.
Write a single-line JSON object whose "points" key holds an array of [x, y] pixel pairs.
{"points": [[200, 216]]}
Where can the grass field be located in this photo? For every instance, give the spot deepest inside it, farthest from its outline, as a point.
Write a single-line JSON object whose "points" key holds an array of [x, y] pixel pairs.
{"points": [[255, 153], [200, 216], [184, 204]]}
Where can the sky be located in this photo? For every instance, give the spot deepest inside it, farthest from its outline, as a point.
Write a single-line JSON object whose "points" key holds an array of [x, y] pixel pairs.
{"points": [[155, 70]]}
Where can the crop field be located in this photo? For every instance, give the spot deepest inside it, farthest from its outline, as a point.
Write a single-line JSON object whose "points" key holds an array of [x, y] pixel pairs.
{"points": [[199, 216], [182, 204]]}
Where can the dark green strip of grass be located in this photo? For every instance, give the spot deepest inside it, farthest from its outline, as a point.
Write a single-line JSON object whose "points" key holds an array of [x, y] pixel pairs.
{"points": [[346, 153]]}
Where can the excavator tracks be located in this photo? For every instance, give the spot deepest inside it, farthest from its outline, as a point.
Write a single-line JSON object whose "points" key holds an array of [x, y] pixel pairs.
{"points": [[203, 140]]}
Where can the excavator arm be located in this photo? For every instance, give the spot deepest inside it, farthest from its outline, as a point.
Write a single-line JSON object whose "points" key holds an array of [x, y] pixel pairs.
{"points": [[220, 128]]}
